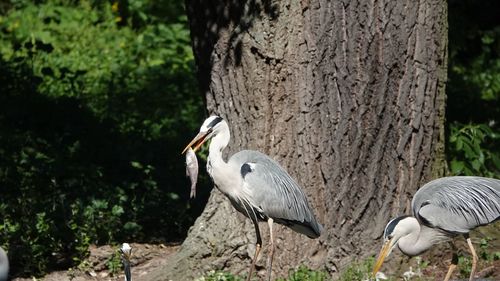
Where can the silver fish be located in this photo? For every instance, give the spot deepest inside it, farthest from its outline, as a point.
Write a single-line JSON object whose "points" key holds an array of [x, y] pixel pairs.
{"points": [[192, 170]]}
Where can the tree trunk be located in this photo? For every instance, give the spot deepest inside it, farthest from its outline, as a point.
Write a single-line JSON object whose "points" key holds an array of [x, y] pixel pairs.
{"points": [[348, 96]]}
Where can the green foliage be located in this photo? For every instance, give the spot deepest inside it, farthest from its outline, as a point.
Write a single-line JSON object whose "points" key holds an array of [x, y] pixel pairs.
{"points": [[473, 90], [470, 153], [362, 271], [358, 271], [219, 276], [302, 273], [94, 111], [114, 263], [464, 266], [486, 255], [305, 274], [485, 252], [119, 77]]}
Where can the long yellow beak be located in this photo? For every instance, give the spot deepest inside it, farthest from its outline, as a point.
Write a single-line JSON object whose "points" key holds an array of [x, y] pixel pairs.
{"points": [[381, 256], [197, 141]]}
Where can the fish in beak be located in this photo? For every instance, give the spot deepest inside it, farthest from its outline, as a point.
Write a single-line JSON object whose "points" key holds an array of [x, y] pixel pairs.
{"points": [[192, 170], [191, 161]]}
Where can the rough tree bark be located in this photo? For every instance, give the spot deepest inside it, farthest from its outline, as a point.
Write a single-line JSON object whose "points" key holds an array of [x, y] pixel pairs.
{"points": [[347, 95]]}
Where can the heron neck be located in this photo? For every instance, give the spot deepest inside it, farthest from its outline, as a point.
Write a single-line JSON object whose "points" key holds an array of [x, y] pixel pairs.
{"points": [[218, 143], [419, 239], [217, 167]]}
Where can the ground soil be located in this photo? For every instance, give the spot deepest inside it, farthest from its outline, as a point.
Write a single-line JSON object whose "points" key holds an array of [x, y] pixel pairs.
{"points": [[147, 257]]}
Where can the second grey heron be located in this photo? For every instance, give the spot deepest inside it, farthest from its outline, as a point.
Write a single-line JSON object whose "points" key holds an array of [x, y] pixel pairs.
{"points": [[443, 208], [126, 253], [4, 265], [257, 186]]}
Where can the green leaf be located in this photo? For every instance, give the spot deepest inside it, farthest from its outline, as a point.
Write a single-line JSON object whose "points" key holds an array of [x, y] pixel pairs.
{"points": [[456, 167], [469, 152], [117, 210], [136, 165], [459, 143], [476, 165]]}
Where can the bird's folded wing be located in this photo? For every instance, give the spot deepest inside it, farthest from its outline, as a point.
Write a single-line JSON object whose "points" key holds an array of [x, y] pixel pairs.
{"points": [[458, 204], [438, 217]]}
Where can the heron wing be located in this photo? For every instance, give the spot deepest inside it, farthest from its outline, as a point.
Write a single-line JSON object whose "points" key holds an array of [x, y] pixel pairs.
{"points": [[458, 204], [275, 193]]}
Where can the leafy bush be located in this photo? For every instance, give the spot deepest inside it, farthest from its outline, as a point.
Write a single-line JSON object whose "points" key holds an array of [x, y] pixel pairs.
{"points": [[470, 153], [93, 114], [473, 89]]}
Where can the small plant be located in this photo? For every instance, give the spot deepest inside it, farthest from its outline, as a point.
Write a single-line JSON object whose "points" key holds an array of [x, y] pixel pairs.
{"points": [[84, 266], [483, 252], [469, 151], [304, 273], [219, 276], [359, 271], [114, 263], [417, 274], [464, 265], [496, 256], [362, 271]]}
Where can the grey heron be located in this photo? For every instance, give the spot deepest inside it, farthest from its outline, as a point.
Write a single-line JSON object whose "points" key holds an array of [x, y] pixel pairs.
{"points": [[126, 253], [257, 186], [442, 209], [4, 265]]}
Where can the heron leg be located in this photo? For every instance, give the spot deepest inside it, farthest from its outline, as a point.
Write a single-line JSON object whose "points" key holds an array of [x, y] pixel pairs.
{"points": [[453, 265], [271, 249], [474, 258], [257, 248]]}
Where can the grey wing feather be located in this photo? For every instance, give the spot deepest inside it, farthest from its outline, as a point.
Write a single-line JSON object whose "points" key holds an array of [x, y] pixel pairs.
{"points": [[458, 204], [276, 193]]}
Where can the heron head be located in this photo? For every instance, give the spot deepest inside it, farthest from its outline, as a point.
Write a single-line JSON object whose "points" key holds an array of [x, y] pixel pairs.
{"points": [[394, 230], [208, 129], [126, 251]]}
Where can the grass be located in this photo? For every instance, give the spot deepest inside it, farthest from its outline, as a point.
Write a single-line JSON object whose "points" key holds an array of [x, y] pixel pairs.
{"points": [[301, 274]]}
